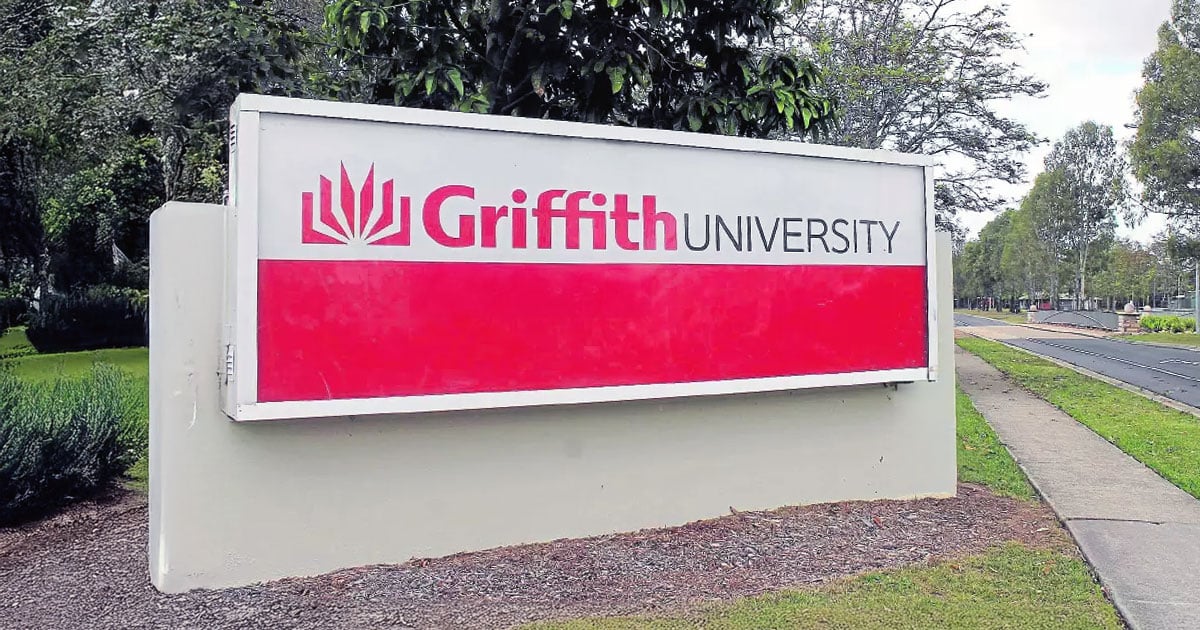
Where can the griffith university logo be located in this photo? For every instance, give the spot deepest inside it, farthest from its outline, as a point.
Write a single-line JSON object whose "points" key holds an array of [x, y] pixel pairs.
{"points": [[363, 222], [566, 219]]}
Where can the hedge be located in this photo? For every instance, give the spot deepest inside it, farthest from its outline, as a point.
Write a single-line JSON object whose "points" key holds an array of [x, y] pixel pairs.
{"points": [[1168, 323], [64, 440], [101, 317], [14, 311]]}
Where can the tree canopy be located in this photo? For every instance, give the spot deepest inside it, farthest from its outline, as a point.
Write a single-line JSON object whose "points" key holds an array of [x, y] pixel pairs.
{"points": [[1092, 191], [699, 65], [925, 76], [1165, 154]]}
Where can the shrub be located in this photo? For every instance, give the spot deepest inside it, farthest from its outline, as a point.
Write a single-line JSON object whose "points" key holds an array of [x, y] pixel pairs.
{"points": [[1168, 323], [64, 440], [101, 317], [13, 311]]}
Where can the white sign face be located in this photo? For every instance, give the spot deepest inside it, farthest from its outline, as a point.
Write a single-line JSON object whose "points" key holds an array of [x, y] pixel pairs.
{"points": [[391, 260]]}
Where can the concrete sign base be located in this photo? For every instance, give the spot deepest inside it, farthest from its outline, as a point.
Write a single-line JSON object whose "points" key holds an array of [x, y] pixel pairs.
{"points": [[237, 503]]}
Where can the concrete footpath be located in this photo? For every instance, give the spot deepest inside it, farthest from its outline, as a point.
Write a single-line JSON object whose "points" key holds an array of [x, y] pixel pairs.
{"points": [[1139, 532]]}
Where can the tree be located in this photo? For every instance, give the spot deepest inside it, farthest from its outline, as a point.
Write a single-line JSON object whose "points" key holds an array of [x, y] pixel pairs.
{"points": [[992, 239], [1026, 263], [1049, 214], [1128, 274], [670, 64], [1171, 275], [110, 107], [1165, 153], [925, 76], [1091, 191], [979, 268]]}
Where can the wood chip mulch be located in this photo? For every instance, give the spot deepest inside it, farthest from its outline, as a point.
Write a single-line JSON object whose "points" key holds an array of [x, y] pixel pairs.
{"points": [[87, 568]]}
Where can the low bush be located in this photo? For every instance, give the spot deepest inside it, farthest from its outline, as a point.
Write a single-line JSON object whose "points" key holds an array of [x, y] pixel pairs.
{"points": [[1168, 323], [64, 440], [101, 317], [14, 311]]}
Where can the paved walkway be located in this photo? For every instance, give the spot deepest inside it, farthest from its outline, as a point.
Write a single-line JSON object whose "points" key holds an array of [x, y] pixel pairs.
{"points": [[1140, 532]]}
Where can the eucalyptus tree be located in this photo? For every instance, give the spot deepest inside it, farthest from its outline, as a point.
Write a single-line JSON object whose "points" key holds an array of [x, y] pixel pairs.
{"points": [[1165, 154], [1091, 193], [926, 76], [1049, 214]]}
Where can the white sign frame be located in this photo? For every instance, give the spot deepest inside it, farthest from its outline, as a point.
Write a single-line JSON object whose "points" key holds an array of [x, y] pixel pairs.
{"points": [[240, 331]]}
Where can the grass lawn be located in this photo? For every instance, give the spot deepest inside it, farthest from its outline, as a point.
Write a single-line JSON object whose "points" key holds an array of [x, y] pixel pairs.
{"points": [[136, 361], [1005, 316], [1177, 339], [13, 343], [1008, 587], [982, 459], [1166, 440], [47, 367]]}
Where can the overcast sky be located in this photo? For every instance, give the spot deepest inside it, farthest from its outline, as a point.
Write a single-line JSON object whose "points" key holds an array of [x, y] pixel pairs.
{"points": [[1090, 53]]}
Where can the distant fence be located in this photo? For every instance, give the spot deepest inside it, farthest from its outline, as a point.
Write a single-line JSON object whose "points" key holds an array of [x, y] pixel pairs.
{"points": [[1084, 319]]}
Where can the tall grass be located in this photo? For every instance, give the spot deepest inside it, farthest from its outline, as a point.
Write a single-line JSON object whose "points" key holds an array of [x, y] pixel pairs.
{"points": [[64, 439]]}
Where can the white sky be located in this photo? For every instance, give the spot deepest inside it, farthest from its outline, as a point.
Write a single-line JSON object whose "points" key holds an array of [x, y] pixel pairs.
{"points": [[1090, 53]]}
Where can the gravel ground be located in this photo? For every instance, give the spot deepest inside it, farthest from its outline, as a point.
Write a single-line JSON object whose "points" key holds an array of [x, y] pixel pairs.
{"points": [[86, 568]]}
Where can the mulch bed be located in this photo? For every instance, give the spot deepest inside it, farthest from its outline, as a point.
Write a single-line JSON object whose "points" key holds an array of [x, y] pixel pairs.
{"points": [[87, 568]]}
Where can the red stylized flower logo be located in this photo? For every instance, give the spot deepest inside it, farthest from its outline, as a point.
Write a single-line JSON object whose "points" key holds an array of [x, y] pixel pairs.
{"points": [[361, 222]]}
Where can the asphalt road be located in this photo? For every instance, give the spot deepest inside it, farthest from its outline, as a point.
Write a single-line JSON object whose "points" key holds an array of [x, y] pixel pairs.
{"points": [[971, 320], [1164, 371]]}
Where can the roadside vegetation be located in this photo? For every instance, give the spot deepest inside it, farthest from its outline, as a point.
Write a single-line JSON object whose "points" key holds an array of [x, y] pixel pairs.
{"points": [[1177, 339], [1168, 324], [982, 459], [1166, 440], [1009, 587]]}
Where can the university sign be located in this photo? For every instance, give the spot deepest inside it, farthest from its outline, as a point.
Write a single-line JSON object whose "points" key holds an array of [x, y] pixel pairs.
{"points": [[391, 260]]}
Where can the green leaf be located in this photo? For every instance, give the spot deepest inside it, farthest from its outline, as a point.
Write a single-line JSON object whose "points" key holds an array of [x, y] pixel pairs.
{"points": [[616, 76], [694, 121], [364, 22], [568, 8], [807, 114], [429, 84], [456, 78]]}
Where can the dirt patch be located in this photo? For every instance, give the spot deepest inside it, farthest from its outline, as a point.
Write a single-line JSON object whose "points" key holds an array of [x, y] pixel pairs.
{"points": [[88, 568]]}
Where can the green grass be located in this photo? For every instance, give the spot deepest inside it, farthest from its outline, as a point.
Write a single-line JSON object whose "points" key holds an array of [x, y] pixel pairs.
{"points": [[136, 361], [1012, 318], [1178, 339], [14, 343], [1009, 587], [982, 459], [48, 367], [1166, 440]]}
